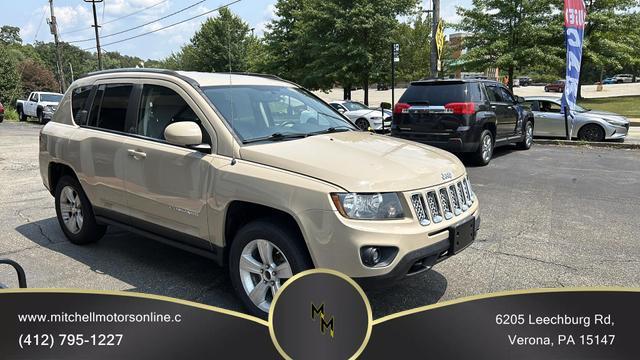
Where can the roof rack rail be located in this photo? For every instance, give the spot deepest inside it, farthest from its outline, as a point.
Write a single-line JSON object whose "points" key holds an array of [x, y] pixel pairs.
{"points": [[121, 70]]}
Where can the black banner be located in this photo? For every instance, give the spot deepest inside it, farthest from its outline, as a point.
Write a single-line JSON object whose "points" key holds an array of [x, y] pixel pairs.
{"points": [[320, 315]]}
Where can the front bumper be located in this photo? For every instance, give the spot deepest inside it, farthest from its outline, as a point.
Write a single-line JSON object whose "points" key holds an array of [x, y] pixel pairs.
{"points": [[335, 243], [376, 125], [617, 132]]}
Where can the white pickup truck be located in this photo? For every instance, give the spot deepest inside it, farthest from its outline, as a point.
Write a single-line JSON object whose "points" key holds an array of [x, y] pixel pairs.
{"points": [[40, 105]]}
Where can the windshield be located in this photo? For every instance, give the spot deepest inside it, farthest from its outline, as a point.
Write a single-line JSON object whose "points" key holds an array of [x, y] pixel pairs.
{"points": [[50, 97], [258, 111], [355, 106]]}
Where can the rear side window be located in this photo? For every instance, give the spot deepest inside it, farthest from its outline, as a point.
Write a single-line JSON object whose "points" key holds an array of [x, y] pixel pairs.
{"points": [[494, 94], [79, 98], [440, 94], [110, 104]]}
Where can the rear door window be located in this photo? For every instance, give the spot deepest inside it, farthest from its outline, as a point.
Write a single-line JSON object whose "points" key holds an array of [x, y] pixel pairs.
{"points": [[441, 93], [110, 104]]}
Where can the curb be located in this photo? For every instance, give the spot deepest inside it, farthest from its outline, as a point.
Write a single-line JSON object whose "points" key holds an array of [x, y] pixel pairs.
{"points": [[613, 145]]}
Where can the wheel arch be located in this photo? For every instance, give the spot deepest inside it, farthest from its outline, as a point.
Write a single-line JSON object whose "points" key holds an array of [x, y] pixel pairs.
{"points": [[240, 213], [56, 172]]}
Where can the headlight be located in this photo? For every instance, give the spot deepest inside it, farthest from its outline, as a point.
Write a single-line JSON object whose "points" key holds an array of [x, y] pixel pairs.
{"points": [[378, 206], [49, 108]]}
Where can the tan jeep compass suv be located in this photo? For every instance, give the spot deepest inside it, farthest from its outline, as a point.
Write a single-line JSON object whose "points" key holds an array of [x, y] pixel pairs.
{"points": [[253, 172]]}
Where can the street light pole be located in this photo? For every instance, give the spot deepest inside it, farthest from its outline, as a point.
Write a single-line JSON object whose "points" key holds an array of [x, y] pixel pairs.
{"points": [[435, 19], [95, 26]]}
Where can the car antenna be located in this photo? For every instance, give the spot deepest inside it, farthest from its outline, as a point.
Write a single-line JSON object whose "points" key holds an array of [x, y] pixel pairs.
{"points": [[233, 149]]}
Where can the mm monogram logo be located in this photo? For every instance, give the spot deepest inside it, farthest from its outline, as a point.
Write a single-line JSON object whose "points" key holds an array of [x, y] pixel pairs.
{"points": [[324, 324]]}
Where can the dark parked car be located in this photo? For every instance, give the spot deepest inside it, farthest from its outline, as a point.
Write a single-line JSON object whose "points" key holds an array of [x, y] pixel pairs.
{"points": [[556, 86], [1, 112], [466, 116], [524, 81]]}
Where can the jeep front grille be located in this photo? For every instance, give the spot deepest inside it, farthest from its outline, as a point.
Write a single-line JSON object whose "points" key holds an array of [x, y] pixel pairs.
{"points": [[443, 203], [418, 205]]}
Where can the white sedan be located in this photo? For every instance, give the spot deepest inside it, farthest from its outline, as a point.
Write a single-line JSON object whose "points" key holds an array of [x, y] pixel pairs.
{"points": [[363, 116]]}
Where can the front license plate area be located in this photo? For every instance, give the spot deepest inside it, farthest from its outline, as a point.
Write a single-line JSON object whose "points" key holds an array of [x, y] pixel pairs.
{"points": [[462, 235]]}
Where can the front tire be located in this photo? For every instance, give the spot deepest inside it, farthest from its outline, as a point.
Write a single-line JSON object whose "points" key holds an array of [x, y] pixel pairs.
{"points": [[263, 255], [41, 119], [591, 132], [483, 154], [362, 124], [75, 213], [526, 143]]}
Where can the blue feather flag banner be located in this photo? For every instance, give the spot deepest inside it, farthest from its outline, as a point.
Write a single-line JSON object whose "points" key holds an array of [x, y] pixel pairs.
{"points": [[575, 15]]}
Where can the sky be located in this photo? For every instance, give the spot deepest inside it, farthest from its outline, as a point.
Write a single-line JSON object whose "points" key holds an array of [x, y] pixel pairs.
{"points": [[75, 18]]}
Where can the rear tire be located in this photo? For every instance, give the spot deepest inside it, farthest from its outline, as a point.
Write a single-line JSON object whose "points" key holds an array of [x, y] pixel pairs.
{"points": [[482, 156], [21, 115], [263, 255], [526, 143], [546, 89], [75, 213], [591, 132]]}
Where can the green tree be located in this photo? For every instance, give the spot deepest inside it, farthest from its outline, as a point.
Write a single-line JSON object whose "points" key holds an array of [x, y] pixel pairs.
{"points": [[415, 47], [323, 42], [221, 44], [9, 77], [610, 38], [512, 35], [10, 35]]}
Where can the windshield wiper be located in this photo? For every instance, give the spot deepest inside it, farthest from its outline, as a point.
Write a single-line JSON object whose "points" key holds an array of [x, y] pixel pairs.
{"points": [[330, 130], [276, 137]]}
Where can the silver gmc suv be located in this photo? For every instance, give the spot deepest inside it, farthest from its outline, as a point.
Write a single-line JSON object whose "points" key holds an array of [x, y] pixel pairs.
{"points": [[254, 172]]}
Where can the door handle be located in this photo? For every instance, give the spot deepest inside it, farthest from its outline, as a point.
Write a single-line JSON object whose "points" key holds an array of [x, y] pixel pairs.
{"points": [[137, 154]]}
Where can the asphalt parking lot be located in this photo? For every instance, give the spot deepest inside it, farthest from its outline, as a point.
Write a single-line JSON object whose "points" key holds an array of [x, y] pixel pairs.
{"points": [[551, 217]]}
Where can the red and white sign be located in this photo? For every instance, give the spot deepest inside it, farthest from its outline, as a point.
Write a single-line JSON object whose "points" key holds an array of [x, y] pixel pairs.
{"points": [[575, 14]]}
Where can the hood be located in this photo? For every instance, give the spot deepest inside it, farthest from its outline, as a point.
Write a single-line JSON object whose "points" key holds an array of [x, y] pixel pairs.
{"points": [[359, 161], [368, 112], [606, 116]]}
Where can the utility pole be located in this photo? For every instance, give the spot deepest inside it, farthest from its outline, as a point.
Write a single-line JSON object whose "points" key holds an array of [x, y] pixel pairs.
{"points": [[435, 19], [53, 25], [95, 26]]}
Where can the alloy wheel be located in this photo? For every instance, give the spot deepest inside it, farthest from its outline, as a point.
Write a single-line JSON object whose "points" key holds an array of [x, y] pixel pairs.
{"points": [[263, 269], [362, 124], [529, 135], [487, 147], [71, 209]]}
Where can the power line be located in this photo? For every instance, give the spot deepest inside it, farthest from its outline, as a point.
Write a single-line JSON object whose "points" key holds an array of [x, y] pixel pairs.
{"points": [[116, 19], [143, 25], [44, 12], [168, 26]]}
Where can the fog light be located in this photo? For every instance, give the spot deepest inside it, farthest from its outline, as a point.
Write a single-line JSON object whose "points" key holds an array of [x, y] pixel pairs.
{"points": [[371, 256]]}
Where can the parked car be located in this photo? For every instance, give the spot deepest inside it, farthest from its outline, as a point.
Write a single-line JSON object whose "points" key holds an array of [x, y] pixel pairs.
{"points": [[466, 116], [609, 81], [363, 116], [623, 78], [1, 112], [40, 105], [589, 125], [254, 172], [556, 86], [524, 81], [382, 87]]}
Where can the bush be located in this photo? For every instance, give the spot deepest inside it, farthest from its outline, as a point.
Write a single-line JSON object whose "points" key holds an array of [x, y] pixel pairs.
{"points": [[10, 114]]}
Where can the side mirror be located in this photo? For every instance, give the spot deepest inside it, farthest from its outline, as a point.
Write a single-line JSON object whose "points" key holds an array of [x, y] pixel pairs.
{"points": [[520, 100], [342, 111], [183, 133], [385, 105]]}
